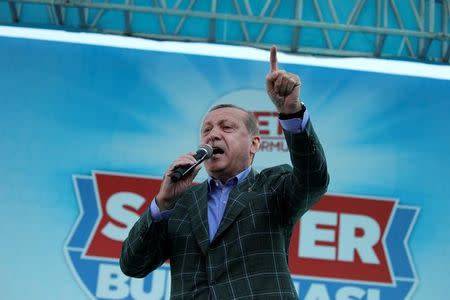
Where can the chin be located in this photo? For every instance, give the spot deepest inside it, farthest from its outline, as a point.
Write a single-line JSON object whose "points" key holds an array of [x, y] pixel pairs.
{"points": [[216, 167]]}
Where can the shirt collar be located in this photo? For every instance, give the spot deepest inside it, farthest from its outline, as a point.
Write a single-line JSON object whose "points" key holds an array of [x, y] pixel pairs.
{"points": [[232, 181]]}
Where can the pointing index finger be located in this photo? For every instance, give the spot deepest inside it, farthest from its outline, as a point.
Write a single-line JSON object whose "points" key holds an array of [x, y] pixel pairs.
{"points": [[273, 59]]}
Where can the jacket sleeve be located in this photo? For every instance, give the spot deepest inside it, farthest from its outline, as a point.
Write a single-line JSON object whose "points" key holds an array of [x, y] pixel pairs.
{"points": [[145, 248], [301, 186]]}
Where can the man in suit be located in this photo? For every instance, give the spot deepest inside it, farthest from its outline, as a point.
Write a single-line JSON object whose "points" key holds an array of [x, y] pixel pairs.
{"points": [[228, 237]]}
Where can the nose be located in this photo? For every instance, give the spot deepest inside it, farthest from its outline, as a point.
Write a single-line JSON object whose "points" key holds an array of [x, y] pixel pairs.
{"points": [[214, 135]]}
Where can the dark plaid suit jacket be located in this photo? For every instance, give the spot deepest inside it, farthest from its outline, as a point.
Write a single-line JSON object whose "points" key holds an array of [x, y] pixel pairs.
{"points": [[247, 259]]}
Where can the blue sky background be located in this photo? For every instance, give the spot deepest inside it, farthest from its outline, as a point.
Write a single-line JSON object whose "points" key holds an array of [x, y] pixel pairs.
{"points": [[68, 109]]}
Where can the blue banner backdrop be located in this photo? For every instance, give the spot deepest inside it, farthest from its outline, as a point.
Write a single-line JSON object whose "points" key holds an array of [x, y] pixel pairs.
{"points": [[80, 122]]}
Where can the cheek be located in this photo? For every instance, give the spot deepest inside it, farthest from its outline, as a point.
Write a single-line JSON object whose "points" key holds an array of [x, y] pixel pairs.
{"points": [[242, 149]]}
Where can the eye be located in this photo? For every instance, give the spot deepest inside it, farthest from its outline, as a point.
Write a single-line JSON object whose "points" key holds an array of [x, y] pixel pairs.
{"points": [[206, 130], [227, 127]]}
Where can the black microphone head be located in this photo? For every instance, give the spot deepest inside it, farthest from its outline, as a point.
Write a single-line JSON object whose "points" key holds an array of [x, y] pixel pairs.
{"points": [[204, 151]]}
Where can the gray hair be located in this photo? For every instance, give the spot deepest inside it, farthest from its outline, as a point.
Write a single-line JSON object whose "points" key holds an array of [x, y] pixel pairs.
{"points": [[250, 122]]}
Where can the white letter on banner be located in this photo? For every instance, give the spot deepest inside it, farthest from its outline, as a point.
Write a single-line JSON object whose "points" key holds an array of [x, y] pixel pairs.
{"points": [[350, 293], [349, 242], [157, 286], [115, 209], [111, 282], [317, 292], [310, 234], [373, 294]]}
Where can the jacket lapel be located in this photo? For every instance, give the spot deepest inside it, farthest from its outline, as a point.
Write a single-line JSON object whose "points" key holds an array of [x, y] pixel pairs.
{"points": [[198, 213], [237, 201]]}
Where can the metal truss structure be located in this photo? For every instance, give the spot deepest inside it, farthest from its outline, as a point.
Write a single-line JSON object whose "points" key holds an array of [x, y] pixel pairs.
{"points": [[395, 29]]}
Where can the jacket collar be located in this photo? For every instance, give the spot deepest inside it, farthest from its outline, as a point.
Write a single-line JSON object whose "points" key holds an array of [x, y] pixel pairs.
{"points": [[198, 211], [237, 201]]}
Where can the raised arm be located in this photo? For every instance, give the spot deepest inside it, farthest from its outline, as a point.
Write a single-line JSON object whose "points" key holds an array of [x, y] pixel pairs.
{"points": [[303, 185]]}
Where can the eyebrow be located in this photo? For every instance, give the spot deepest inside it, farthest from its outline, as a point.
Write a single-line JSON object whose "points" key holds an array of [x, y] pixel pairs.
{"points": [[220, 122]]}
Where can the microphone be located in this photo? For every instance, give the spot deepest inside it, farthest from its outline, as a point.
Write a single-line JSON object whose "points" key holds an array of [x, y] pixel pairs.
{"points": [[204, 152]]}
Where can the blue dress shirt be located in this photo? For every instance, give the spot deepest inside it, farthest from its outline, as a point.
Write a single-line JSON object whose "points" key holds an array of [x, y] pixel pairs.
{"points": [[218, 197], [218, 192]]}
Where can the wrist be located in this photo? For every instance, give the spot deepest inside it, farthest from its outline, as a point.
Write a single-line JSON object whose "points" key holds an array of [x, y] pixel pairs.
{"points": [[162, 203], [297, 112]]}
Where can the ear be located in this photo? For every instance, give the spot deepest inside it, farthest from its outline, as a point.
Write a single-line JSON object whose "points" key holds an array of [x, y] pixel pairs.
{"points": [[256, 142]]}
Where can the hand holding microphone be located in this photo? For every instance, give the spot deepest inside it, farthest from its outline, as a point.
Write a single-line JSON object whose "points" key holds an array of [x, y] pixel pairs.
{"points": [[204, 152], [180, 175]]}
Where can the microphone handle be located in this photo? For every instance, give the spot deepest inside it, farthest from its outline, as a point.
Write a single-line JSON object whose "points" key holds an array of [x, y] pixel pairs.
{"points": [[180, 172]]}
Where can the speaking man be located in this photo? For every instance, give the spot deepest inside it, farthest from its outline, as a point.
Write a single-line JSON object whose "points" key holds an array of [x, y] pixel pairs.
{"points": [[228, 237]]}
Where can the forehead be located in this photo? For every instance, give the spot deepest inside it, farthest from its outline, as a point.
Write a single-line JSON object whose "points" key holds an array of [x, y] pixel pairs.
{"points": [[225, 114]]}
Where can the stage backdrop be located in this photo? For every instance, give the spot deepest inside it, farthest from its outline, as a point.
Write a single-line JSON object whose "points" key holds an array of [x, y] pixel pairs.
{"points": [[89, 123]]}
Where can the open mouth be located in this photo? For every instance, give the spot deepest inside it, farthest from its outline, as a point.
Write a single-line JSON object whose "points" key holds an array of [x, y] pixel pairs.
{"points": [[217, 150]]}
